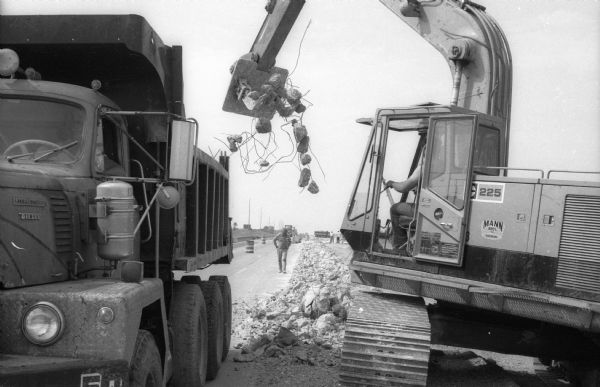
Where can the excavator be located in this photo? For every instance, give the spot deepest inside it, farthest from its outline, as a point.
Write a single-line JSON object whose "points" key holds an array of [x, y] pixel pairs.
{"points": [[475, 254]]}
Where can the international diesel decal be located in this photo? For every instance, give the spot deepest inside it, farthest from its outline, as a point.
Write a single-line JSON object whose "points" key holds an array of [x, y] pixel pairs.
{"points": [[28, 216], [20, 201]]}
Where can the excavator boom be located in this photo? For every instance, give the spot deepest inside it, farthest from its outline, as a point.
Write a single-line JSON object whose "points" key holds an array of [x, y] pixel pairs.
{"points": [[474, 47], [277, 24]]}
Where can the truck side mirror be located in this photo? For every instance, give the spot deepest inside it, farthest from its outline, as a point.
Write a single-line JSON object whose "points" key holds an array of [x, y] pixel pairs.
{"points": [[184, 135]]}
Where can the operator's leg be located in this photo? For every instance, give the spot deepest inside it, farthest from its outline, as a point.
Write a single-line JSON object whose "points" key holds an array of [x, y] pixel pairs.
{"points": [[401, 214], [279, 253], [284, 257]]}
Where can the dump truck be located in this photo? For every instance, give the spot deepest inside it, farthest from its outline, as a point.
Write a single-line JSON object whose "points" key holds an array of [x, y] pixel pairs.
{"points": [[104, 194], [467, 251]]}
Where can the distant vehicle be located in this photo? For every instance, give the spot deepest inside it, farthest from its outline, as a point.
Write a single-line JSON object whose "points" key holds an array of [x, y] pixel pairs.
{"points": [[322, 234]]}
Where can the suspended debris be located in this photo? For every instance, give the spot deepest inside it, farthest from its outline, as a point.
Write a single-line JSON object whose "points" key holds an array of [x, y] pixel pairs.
{"points": [[299, 130], [262, 94], [232, 147], [263, 125], [300, 108], [293, 96], [276, 80], [305, 159], [303, 145], [233, 141], [261, 148], [284, 110], [304, 177], [253, 95], [313, 188]]}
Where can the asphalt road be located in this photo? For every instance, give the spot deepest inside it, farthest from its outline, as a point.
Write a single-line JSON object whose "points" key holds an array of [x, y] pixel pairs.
{"points": [[254, 274]]}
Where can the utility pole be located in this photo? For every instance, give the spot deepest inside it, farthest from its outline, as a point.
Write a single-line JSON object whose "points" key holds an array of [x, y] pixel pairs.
{"points": [[249, 224]]}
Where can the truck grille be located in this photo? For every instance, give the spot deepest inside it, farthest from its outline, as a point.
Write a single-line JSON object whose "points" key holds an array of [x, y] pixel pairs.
{"points": [[579, 249], [63, 226]]}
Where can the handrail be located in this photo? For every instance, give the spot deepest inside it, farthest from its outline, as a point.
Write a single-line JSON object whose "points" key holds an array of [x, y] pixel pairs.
{"points": [[567, 171], [505, 169]]}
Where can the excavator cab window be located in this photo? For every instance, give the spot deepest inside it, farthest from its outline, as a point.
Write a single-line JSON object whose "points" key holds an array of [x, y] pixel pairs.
{"points": [[362, 198], [487, 151], [450, 142]]}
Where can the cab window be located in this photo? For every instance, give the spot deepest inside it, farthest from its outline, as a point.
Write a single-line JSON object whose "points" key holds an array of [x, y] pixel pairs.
{"points": [[41, 131], [362, 199], [487, 150], [108, 155], [448, 172]]}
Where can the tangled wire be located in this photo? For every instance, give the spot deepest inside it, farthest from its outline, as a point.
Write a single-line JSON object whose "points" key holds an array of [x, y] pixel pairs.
{"points": [[260, 147]]}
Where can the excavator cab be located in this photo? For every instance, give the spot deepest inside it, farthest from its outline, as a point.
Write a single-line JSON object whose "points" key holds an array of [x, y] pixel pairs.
{"points": [[429, 222]]}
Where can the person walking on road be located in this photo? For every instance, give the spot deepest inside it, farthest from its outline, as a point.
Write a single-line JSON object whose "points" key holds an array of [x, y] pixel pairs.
{"points": [[282, 242]]}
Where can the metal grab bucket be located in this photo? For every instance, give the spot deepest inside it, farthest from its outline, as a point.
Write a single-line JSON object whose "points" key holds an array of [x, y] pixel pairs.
{"points": [[250, 246]]}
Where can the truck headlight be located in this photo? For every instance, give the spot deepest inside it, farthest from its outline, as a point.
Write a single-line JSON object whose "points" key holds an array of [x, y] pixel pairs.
{"points": [[43, 323]]}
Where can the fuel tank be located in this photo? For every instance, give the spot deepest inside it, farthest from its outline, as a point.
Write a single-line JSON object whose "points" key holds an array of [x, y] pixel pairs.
{"points": [[36, 230]]}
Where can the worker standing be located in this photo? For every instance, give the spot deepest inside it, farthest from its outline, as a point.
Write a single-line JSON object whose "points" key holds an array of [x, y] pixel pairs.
{"points": [[282, 242]]}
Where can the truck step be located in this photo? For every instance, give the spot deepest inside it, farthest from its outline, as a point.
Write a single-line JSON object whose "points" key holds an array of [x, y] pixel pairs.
{"points": [[387, 341]]}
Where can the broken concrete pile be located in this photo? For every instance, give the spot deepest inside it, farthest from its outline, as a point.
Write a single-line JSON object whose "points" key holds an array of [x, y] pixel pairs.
{"points": [[311, 310]]}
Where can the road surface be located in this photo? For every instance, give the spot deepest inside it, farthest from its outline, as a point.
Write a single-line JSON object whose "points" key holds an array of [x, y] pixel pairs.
{"points": [[254, 274]]}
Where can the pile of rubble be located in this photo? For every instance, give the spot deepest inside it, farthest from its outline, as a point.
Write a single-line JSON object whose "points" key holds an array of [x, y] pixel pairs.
{"points": [[312, 310]]}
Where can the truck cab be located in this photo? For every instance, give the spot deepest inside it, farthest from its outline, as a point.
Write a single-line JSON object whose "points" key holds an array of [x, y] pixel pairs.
{"points": [[103, 194]]}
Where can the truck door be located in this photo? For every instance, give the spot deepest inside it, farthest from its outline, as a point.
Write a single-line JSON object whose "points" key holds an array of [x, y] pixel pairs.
{"points": [[445, 189]]}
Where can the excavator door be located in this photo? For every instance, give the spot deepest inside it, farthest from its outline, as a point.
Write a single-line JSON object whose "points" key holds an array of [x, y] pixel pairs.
{"points": [[358, 224], [445, 189]]}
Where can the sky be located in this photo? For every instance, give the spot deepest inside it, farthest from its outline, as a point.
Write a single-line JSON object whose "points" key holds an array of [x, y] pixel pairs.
{"points": [[357, 56]]}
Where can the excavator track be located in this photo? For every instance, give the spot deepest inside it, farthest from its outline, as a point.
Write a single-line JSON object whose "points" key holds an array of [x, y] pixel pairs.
{"points": [[387, 341]]}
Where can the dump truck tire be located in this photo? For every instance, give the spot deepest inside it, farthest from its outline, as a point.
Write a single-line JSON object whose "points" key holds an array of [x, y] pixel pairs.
{"points": [[214, 308], [146, 367], [223, 282], [190, 336]]}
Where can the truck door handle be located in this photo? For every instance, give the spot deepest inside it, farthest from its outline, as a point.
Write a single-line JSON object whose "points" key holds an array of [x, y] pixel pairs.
{"points": [[447, 226]]}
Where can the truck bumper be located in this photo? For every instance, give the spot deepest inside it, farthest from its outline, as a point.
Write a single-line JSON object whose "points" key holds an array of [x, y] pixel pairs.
{"points": [[18, 371]]}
